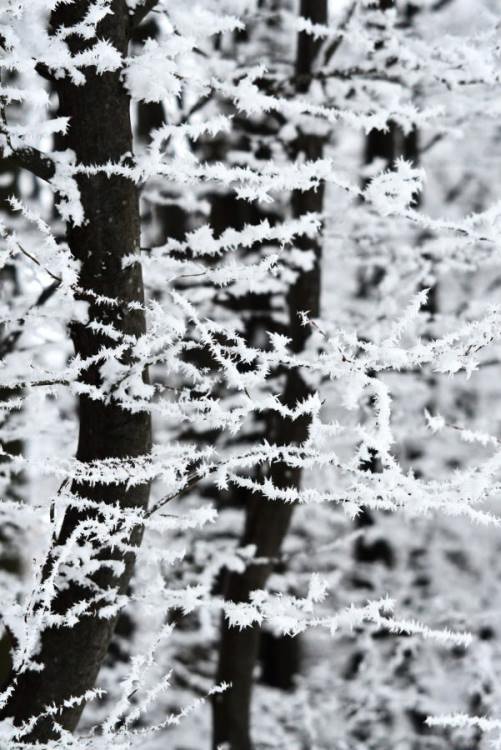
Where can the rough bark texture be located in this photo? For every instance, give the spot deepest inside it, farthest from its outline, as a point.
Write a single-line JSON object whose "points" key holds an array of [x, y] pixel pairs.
{"points": [[99, 131], [267, 522]]}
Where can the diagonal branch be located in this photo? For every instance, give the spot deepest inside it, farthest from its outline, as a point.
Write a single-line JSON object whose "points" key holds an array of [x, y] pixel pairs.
{"points": [[8, 343], [336, 43], [26, 157], [140, 12], [33, 160]]}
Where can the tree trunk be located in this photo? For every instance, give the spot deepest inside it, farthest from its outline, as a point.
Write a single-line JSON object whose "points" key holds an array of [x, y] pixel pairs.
{"points": [[267, 522], [100, 131]]}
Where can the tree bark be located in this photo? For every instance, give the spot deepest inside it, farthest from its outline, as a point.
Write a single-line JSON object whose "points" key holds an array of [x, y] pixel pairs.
{"points": [[267, 522], [99, 131]]}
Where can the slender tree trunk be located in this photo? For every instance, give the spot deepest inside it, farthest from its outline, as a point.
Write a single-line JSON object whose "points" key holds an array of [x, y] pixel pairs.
{"points": [[100, 130], [267, 522]]}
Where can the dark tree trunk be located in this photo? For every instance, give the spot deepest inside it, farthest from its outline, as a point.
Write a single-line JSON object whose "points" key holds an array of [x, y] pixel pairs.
{"points": [[280, 659], [100, 131], [267, 522]]}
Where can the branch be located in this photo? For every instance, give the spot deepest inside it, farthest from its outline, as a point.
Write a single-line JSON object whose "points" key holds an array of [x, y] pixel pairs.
{"points": [[193, 480], [336, 43], [141, 12], [44, 72], [58, 279], [440, 4], [8, 343], [34, 161], [29, 158], [41, 383]]}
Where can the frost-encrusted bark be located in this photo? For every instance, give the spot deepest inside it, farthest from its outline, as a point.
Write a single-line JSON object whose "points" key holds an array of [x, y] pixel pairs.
{"points": [[99, 131]]}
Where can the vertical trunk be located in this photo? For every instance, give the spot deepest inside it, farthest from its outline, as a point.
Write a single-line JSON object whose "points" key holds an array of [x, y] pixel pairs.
{"points": [[267, 522], [100, 130]]}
